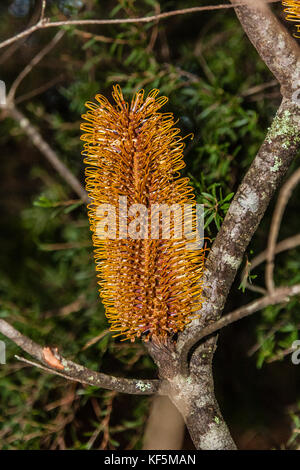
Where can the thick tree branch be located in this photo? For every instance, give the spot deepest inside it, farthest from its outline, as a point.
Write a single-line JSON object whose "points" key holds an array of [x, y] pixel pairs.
{"points": [[282, 142], [72, 371], [275, 45], [245, 213], [193, 396]]}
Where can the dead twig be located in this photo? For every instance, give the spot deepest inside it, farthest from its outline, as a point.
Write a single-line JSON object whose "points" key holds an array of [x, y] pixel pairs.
{"points": [[37, 140], [283, 198], [44, 23], [41, 54]]}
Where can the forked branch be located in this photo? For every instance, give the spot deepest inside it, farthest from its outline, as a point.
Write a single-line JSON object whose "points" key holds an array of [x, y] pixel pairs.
{"points": [[54, 363], [270, 165]]}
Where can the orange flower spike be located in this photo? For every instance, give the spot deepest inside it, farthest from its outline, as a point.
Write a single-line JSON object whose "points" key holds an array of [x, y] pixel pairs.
{"points": [[150, 287], [293, 13]]}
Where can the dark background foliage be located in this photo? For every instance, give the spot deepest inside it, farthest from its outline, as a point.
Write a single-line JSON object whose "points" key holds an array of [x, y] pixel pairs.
{"points": [[220, 90]]}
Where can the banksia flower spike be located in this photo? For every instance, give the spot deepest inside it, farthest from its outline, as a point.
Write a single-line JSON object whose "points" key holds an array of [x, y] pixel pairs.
{"points": [[150, 285], [293, 13]]}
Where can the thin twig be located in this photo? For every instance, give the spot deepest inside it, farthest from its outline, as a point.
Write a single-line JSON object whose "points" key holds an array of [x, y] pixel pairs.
{"points": [[11, 50], [41, 54], [268, 335], [39, 90], [154, 32], [37, 140], [286, 244], [258, 88], [64, 246], [245, 284], [43, 23], [284, 195], [100, 38], [43, 8], [281, 355]]}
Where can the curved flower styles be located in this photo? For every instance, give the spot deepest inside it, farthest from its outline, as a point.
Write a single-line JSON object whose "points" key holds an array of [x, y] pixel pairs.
{"points": [[293, 13], [150, 287]]}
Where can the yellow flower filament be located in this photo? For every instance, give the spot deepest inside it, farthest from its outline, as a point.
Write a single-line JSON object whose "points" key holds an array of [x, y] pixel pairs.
{"points": [[149, 287], [293, 13]]}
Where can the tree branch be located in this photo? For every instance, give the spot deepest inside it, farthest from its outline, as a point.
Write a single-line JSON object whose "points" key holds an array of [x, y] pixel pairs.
{"points": [[45, 23], [286, 244], [193, 396], [43, 8], [41, 89], [278, 296], [282, 201], [195, 399], [263, 177], [37, 140], [41, 54], [72, 371], [243, 217], [276, 47]]}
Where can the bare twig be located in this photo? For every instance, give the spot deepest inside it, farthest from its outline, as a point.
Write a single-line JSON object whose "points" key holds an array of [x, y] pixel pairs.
{"points": [[39, 90], [286, 244], [268, 335], [154, 32], [37, 140], [43, 23], [41, 54], [100, 38], [280, 355], [16, 45], [282, 201], [258, 88], [72, 307], [95, 340], [64, 246], [43, 8], [271, 163], [76, 372], [106, 421], [248, 284]]}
